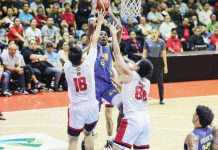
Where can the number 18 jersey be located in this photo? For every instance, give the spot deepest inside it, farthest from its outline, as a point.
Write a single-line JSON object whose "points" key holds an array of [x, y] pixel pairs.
{"points": [[135, 94], [80, 79]]}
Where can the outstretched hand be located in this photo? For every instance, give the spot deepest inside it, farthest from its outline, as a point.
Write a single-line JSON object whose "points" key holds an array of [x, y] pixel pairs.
{"points": [[113, 28], [101, 15]]}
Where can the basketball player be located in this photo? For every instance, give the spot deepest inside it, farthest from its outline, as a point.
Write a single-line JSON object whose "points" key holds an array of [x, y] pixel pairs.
{"points": [[201, 137], [135, 126], [215, 138], [104, 87], [83, 109]]}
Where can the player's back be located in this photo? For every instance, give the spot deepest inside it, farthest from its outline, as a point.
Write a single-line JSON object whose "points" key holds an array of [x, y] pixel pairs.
{"points": [[205, 137], [135, 94], [80, 79]]}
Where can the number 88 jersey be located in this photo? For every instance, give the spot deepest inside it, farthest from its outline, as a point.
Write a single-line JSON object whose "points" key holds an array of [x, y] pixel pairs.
{"points": [[135, 94]]}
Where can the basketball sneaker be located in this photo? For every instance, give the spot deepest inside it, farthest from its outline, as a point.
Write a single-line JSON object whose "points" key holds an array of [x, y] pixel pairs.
{"points": [[108, 145]]}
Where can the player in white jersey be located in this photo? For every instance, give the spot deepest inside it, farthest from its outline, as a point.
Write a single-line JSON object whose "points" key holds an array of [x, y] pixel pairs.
{"points": [[83, 109], [135, 126]]}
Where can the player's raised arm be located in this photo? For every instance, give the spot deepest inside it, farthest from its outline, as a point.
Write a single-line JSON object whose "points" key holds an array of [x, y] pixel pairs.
{"points": [[96, 34], [119, 25], [123, 68], [91, 21]]}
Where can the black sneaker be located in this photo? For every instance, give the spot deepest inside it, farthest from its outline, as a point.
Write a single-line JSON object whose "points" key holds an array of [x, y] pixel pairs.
{"points": [[24, 92], [162, 102], [83, 145], [39, 85], [32, 91], [109, 144]]}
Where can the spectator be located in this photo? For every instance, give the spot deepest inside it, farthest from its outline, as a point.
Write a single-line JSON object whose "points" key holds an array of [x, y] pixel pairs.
{"points": [[15, 33], [144, 27], [166, 27], [116, 7], [130, 26], [84, 30], [63, 53], [48, 4], [11, 62], [25, 16], [213, 25], [182, 7], [196, 41], [33, 32], [176, 15], [9, 19], [41, 18], [35, 5], [195, 23], [66, 38], [184, 33], [155, 18], [214, 40], [3, 38], [134, 48], [55, 14], [55, 61], [51, 31], [42, 67], [174, 44], [68, 15], [64, 27], [4, 80], [191, 12], [83, 41], [204, 15], [84, 10]]}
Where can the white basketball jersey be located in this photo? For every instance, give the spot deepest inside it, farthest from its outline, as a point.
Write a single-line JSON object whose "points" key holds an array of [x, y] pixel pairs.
{"points": [[80, 79], [135, 94]]}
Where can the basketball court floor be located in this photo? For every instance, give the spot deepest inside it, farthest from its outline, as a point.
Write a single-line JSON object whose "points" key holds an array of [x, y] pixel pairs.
{"points": [[39, 122]]}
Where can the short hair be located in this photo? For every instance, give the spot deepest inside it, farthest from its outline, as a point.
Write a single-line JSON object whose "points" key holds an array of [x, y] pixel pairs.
{"points": [[65, 4], [205, 115], [75, 55], [26, 4], [105, 29], [40, 8], [174, 29], [145, 68]]}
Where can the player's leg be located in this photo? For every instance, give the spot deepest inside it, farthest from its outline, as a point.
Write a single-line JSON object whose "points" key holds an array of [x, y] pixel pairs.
{"points": [[142, 141], [108, 95], [72, 142], [159, 78], [91, 121], [120, 116], [109, 124], [126, 134], [76, 122]]}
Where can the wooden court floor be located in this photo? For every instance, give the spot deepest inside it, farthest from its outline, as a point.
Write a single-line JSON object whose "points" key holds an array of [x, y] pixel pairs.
{"points": [[170, 123]]}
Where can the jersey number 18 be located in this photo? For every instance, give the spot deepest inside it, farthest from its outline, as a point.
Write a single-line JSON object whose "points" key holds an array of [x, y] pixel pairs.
{"points": [[80, 84]]}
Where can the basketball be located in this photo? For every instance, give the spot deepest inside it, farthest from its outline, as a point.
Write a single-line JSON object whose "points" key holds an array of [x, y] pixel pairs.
{"points": [[103, 4]]}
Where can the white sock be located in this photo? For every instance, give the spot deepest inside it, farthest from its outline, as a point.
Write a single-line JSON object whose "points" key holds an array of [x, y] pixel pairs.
{"points": [[109, 138]]}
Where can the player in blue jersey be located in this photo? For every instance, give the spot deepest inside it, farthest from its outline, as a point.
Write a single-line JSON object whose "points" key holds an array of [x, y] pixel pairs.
{"points": [[202, 135], [103, 66]]}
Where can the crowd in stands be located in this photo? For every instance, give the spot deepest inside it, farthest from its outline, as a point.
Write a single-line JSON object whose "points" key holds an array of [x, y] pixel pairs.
{"points": [[35, 35]]}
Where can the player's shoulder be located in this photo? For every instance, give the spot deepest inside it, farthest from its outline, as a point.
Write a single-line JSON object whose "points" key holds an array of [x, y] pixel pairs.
{"points": [[67, 64], [191, 137]]}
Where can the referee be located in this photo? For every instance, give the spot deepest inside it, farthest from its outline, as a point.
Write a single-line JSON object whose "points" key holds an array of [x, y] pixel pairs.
{"points": [[155, 51]]}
